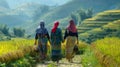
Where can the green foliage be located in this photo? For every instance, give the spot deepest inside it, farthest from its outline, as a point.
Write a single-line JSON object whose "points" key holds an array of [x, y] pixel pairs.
{"points": [[84, 14], [4, 32], [26, 61], [52, 65], [89, 59], [2, 64], [75, 18], [19, 32], [4, 29], [81, 15]]}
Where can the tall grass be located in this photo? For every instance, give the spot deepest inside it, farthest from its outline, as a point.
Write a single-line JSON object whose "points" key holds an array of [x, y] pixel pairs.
{"points": [[89, 59], [17, 48], [107, 51], [14, 49], [110, 46]]}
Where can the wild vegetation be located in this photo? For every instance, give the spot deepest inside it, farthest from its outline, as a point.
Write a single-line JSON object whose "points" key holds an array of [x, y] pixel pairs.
{"points": [[14, 49], [7, 33], [107, 51], [20, 52]]}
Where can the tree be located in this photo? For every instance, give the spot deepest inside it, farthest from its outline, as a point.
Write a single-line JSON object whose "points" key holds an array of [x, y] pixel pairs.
{"points": [[89, 13], [75, 18], [19, 32], [82, 14], [4, 29]]}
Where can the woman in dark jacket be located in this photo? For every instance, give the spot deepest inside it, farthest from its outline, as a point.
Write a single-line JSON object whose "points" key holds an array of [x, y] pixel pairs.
{"points": [[42, 38]]}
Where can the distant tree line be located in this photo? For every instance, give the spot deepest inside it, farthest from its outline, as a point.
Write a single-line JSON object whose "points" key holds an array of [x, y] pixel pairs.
{"points": [[81, 15], [19, 32], [15, 32]]}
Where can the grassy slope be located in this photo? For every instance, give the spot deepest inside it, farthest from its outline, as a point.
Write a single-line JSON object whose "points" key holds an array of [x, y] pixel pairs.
{"points": [[100, 26], [99, 20], [107, 51]]}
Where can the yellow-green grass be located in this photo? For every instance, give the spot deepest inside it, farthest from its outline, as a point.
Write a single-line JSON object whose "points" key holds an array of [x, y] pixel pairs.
{"points": [[110, 12], [90, 24], [113, 25], [91, 21], [89, 59], [81, 31], [95, 31], [18, 47], [13, 45], [84, 35], [109, 47], [14, 49], [108, 15]]}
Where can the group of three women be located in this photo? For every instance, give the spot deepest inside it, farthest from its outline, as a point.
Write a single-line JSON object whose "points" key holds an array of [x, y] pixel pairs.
{"points": [[71, 37]]}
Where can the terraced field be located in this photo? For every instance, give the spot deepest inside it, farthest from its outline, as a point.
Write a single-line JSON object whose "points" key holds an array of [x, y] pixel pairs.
{"points": [[99, 20], [100, 26], [110, 29]]}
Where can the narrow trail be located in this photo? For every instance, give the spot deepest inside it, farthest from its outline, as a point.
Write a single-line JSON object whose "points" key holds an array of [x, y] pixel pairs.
{"points": [[63, 63]]}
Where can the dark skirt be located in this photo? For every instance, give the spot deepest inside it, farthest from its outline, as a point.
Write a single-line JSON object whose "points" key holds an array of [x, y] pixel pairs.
{"points": [[56, 55]]}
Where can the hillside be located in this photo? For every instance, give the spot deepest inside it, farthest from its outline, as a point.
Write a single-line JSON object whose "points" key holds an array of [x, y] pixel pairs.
{"points": [[28, 15], [22, 15], [66, 9], [103, 24], [63, 12]]}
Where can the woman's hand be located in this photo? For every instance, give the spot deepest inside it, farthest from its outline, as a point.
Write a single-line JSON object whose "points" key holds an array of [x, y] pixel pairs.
{"points": [[63, 41], [50, 42], [35, 42]]}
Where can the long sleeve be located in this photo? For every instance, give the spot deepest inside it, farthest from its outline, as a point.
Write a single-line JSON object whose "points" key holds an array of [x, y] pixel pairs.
{"points": [[69, 33], [48, 36], [51, 36], [66, 34], [36, 36], [61, 38], [77, 35]]}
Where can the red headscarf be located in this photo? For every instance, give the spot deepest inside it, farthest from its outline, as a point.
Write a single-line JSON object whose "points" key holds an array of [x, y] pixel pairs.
{"points": [[56, 24], [72, 27]]}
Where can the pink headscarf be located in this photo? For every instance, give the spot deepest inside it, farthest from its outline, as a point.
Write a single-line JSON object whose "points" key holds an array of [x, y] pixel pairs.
{"points": [[56, 24], [72, 27]]}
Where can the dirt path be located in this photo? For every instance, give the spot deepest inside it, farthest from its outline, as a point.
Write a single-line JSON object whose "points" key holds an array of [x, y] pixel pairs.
{"points": [[63, 63]]}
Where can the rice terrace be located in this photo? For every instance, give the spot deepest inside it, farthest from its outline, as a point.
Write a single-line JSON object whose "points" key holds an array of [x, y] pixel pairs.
{"points": [[96, 24]]}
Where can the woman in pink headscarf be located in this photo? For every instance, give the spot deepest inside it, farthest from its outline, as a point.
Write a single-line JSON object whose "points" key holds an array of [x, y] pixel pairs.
{"points": [[56, 39], [71, 36]]}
